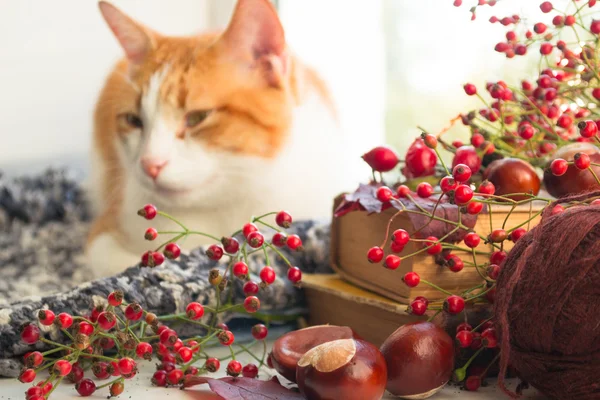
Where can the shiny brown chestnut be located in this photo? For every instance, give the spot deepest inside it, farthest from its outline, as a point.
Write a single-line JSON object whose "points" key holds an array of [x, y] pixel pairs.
{"points": [[289, 348], [511, 175], [420, 360], [349, 369], [574, 180]]}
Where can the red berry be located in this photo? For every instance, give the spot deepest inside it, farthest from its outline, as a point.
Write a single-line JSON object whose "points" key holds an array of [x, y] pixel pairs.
{"points": [[526, 131], [461, 173], [184, 355], [116, 389], [267, 275], [114, 299], [463, 194], [473, 383], [151, 234], [477, 140], [33, 359], [194, 310], [250, 371], [106, 320], [35, 391], [251, 304], [420, 159], [212, 364], [115, 368], [381, 159], [248, 229], [159, 378], [392, 262], [152, 259], [400, 236], [100, 370], [148, 212], [250, 288], [85, 387], [565, 121], [558, 20], [168, 337], [62, 367], [455, 264], [424, 190], [587, 129], [517, 234], [447, 184], [595, 26], [501, 47], [498, 236], [489, 337], [470, 89], [417, 307], [240, 270], [472, 240], [403, 191], [46, 317], [283, 219], [226, 338], [464, 326], [30, 334], [433, 245], [546, 7], [464, 338], [498, 257], [546, 48], [294, 274], [230, 245], [133, 312], [65, 320], [27, 376], [86, 328], [375, 255], [384, 194], [215, 252], [234, 368], [430, 141], [259, 331], [294, 242], [279, 239], [486, 187], [144, 350], [175, 376], [493, 271], [457, 3], [411, 279], [172, 251], [126, 365], [559, 167], [581, 160], [454, 304], [468, 156]]}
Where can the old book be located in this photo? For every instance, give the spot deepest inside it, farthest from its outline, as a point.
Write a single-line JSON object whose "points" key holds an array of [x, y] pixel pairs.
{"points": [[354, 233]]}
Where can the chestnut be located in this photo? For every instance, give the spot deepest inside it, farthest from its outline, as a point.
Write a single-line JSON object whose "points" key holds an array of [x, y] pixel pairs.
{"points": [[512, 175], [288, 349], [349, 369], [420, 360], [574, 180]]}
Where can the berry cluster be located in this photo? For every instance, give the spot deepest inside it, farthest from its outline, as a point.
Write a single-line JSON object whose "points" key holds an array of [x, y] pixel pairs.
{"points": [[108, 344]]}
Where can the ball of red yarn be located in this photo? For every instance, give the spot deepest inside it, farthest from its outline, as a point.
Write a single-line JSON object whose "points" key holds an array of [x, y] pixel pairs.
{"points": [[547, 304]]}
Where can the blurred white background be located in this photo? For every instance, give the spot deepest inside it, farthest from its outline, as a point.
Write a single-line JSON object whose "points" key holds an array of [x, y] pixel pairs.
{"points": [[392, 64]]}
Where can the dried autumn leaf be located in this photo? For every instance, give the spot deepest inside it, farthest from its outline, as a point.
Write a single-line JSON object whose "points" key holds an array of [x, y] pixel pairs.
{"points": [[244, 388], [364, 198]]}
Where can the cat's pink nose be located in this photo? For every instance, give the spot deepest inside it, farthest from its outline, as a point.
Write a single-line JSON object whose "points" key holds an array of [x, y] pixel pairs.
{"points": [[153, 166]]}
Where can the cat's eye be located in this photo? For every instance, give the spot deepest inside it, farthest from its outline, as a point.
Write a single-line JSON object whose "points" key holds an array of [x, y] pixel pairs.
{"points": [[194, 118], [134, 121]]}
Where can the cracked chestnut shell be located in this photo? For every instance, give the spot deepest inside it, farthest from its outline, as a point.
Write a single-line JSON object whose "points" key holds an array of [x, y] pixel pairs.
{"points": [[574, 180], [289, 348], [349, 369], [420, 360]]}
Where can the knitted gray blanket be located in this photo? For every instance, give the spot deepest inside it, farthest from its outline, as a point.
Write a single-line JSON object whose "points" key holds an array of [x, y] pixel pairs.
{"points": [[44, 220]]}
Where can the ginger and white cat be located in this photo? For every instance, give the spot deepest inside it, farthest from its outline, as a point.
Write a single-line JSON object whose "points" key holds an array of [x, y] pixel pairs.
{"points": [[212, 129]]}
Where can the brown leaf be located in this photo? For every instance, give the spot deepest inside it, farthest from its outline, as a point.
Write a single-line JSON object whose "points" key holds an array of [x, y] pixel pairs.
{"points": [[364, 198], [244, 388]]}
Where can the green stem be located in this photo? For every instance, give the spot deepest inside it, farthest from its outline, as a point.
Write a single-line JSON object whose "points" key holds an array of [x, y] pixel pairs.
{"points": [[437, 287], [279, 253]]}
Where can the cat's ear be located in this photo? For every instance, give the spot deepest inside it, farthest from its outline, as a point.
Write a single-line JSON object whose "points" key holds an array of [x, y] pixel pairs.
{"points": [[136, 40], [255, 34]]}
